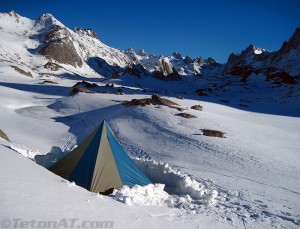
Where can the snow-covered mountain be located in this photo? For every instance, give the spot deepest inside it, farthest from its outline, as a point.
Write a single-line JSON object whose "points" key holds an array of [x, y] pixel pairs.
{"points": [[46, 46], [46, 43], [58, 84]]}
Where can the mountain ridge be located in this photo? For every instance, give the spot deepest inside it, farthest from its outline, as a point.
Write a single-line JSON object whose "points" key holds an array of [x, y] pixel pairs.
{"points": [[255, 79], [81, 48]]}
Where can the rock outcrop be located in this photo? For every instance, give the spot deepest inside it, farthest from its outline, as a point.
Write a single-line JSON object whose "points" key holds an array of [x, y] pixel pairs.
{"points": [[281, 66], [165, 70], [59, 47]]}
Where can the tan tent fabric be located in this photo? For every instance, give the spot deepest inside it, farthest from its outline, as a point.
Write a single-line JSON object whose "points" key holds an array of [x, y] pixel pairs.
{"points": [[65, 166], [100, 164], [106, 174]]}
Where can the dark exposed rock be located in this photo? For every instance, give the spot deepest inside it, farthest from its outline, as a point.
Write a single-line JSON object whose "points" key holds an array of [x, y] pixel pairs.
{"points": [[86, 32], [135, 70], [186, 115], [52, 66], [4, 136], [157, 100], [49, 81], [59, 47], [64, 53], [14, 15], [188, 60], [231, 62], [21, 71], [166, 71], [171, 77], [76, 90], [103, 68], [138, 102], [213, 133], [243, 71], [281, 77], [212, 62], [292, 44], [200, 60], [177, 55], [164, 66], [109, 85], [197, 107], [180, 97], [85, 84], [154, 100], [275, 66]]}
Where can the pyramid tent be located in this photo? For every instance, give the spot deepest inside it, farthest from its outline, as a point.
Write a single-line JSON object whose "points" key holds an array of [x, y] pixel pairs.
{"points": [[100, 164]]}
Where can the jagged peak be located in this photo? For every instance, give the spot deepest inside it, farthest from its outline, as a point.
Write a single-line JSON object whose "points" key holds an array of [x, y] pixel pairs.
{"points": [[188, 59], [212, 61], [13, 14], [47, 21], [130, 50], [142, 52], [86, 32], [47, 17], [177, 55], [254, 50], [292, 44]]}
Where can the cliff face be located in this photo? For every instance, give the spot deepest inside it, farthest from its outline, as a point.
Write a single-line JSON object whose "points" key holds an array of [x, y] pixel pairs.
{"points": [[282, 66], [59, 47]]}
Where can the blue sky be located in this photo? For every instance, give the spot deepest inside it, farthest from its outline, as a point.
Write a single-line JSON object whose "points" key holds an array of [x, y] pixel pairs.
{"points": [[197, 28]]}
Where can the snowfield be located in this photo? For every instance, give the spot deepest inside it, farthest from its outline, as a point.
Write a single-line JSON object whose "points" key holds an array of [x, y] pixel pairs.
{"points": [[249, 179]]}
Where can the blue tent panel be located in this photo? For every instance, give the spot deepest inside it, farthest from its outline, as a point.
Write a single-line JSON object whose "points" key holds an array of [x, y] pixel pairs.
{"points": [[83, 172], [129, 172]]}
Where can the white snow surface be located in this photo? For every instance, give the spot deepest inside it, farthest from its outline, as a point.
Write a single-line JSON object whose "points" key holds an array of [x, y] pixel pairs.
{"points": [[247, 179]]}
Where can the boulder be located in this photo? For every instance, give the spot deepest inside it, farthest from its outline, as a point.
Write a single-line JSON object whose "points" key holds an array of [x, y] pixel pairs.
{"points": [[4, 136], [213, 133], [197, 107], [186, 115]]}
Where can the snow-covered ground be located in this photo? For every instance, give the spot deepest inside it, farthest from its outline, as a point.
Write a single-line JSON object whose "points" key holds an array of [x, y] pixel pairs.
{"points": [[249, 179]]}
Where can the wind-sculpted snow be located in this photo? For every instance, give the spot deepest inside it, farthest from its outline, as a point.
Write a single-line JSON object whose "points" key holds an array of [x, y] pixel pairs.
{"points": [[170, 188]]}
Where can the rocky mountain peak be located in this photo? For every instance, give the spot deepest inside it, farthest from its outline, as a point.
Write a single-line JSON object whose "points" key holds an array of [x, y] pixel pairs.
{"points": [[165, 70], [188, 59], [250, 52], [142, 52], [13, 14], [47, 22], [86, 32], [199, 60], [292, 44], [212, 61], [130, 50], [177, 55]]}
